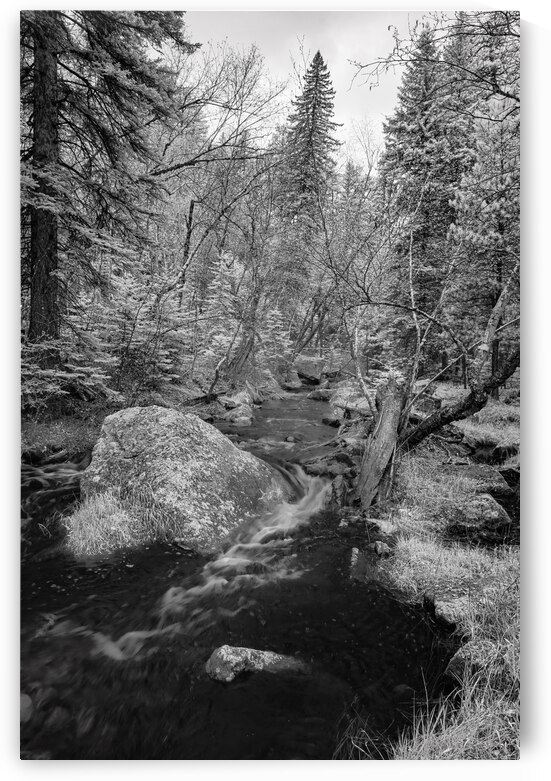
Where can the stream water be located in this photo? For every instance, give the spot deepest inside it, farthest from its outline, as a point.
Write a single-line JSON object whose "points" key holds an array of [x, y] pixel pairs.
{"points": [[113, 653]]}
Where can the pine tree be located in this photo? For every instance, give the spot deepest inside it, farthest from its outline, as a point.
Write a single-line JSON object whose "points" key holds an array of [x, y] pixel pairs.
{"points": [[426, 153], [311, 140], [90, 89]]}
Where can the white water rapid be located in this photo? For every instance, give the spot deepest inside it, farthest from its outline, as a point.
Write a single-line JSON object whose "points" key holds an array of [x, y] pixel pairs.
{"points": [[254, 560]]}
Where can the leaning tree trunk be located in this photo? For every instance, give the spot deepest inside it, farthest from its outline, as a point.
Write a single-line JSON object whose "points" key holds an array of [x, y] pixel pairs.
{"points": [[380, 445], [464, 408], [44, 304]]}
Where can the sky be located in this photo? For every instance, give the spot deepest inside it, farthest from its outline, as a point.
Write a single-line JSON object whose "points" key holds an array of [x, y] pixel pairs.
{"points": [[340, 36]]}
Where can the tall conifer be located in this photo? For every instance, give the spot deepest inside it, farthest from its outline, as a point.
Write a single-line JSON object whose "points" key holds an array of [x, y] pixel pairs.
{"points": [[311, 139]]}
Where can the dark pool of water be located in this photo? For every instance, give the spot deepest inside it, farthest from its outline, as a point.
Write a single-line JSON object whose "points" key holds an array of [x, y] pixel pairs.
{"points": [[365, 648]]}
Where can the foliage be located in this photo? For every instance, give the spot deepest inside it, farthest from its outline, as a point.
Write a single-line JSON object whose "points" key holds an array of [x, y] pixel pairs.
{"points": [[195, 235], [310, 138]]}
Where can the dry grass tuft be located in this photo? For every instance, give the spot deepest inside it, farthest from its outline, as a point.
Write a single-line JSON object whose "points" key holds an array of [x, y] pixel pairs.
{"points": [[117, 519], [422, 494], [420, 565], [484, 725]]}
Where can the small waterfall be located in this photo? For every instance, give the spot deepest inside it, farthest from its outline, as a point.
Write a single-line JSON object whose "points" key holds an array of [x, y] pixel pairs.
{"points": [[255, 559]]}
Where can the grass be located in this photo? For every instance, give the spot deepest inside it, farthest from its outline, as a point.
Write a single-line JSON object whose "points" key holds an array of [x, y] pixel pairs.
{"points": [[116, 519], [75, 431], [481, 720], [482, 725], [496, 424]]}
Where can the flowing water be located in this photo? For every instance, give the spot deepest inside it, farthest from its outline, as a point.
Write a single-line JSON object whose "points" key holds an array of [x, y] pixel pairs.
{"points": [[113, 653]]}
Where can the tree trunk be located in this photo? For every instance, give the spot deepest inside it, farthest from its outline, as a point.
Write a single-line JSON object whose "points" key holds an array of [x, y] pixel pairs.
{"points": [[44, 317], [380, 446], [464, 408], [187, 245], [495, 367]]}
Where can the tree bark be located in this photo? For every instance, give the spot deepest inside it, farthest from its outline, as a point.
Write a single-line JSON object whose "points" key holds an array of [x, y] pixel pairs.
{"points": [[44, 319], [380, 445]]}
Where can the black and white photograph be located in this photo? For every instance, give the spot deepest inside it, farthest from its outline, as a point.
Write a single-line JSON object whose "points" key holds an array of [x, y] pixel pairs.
{"points": [[269, 341]]}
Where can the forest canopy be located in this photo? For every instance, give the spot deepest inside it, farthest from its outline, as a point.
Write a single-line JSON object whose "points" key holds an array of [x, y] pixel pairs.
{"points": [[181, 226]]}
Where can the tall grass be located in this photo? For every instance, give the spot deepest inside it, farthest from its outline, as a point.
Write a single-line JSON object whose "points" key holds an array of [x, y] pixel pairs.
{"points": [[117, 519], [481, 719], [481, 724]]}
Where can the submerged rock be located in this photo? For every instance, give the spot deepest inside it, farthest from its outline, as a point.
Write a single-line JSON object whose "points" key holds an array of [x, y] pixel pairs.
{"points": [[26, 708], [188, 479], [227, 662]]}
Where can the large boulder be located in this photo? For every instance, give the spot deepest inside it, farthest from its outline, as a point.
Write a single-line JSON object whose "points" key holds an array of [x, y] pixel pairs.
{"points": [[194, 483], [482, 478], [309, 368], [348, 398]]}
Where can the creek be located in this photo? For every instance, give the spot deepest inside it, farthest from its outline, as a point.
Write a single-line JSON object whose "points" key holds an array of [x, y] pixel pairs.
{"points": [[113, 652]]}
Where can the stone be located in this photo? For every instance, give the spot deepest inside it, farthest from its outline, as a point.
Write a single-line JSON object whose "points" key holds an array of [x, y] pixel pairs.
{"points": [[227, 662], [309, 368], [380, 548], [451, 609], [485, 658], [227, 402], [384, 526], [195, 478], [26, 708], [320, 394], [291, 381], [348, 397], [331, 420], [484, 478], [478, 516], [241, 409], [471, 657]]}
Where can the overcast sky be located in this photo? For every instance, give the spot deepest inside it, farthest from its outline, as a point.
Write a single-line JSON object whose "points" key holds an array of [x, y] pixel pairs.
{"points": [[339, 35]]}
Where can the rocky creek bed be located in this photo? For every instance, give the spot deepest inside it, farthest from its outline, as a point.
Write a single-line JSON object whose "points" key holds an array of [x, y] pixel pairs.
{"points": [[106, 674]]}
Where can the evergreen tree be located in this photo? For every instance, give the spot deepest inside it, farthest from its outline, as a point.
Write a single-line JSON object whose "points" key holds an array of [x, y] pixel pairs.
{"points": [[90, 87], [311, 141], [426, 153]]}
